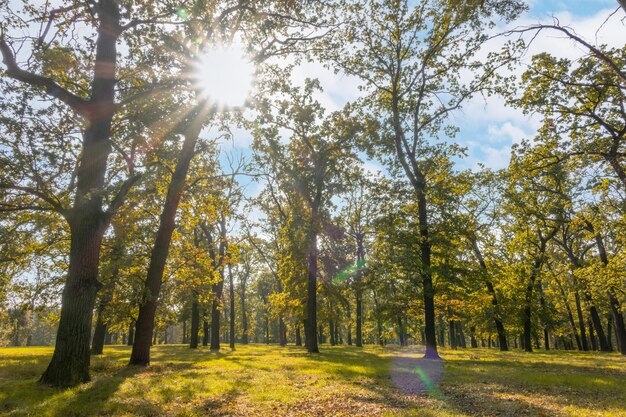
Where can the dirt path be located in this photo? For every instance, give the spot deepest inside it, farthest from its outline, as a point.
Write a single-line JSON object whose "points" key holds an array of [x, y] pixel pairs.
{"points": [[414, 375]]}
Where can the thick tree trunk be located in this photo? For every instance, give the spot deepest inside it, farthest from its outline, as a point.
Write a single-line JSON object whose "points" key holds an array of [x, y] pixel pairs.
{"points": [[70, 361], [69, 365], [195, 323], [310, 324], [147, 310]]}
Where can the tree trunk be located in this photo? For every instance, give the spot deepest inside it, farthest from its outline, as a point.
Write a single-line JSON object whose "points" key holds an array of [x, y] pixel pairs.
{"points": [[205, 332], [244, 317], [451, 334], [131, 333], [527, 335], [359, 317], [282, 330], [195, 323], [70, 361], [147, 310], [427, 280], [504, 346], [583, 344], [442, 331], [97, 342], [310, 324], [473, 341], [597, 324], [349, 329], [232, 307], [117, 252], [69, 365], [609, 334], [592, 336], [359, 291], [298, 336], [620, 326]]}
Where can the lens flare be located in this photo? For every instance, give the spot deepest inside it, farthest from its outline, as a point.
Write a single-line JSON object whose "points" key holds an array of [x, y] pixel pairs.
{"points": [[349, 271]]}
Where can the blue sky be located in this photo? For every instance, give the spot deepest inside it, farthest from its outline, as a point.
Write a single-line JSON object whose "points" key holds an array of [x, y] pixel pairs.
{"points": [[487, 128]]}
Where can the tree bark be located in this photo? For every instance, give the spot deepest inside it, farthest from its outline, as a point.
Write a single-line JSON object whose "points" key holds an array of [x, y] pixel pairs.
{"points": [[147, 310]]}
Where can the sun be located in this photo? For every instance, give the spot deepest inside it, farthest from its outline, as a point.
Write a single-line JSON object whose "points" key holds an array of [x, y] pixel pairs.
{"points": [[225, 75]]}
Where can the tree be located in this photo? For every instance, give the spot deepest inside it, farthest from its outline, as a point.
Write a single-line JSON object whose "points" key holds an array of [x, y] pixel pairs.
{"points": [[89, 198], [309, 168], [409, 59]]}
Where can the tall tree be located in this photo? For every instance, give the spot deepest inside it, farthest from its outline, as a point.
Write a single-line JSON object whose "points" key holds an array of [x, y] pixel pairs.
{"points": [[310, 167], [409, 59]]}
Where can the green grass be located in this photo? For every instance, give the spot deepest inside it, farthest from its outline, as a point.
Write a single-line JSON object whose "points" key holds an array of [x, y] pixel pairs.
{"points": [[259, 380]]}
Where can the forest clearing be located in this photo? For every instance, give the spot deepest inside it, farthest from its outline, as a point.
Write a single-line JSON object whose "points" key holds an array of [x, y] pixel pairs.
{"points": [[261, 380], [312, 208]]}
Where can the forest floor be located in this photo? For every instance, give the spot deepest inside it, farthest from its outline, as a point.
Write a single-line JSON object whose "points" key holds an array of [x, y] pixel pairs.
{"points": [[260, 380]]}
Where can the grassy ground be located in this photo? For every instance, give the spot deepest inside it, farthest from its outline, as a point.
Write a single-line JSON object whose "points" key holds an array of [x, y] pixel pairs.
{"points": [[260, 380]]}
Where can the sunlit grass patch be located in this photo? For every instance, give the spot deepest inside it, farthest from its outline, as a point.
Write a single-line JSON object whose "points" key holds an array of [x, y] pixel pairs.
{"points": [[260, 380]]}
